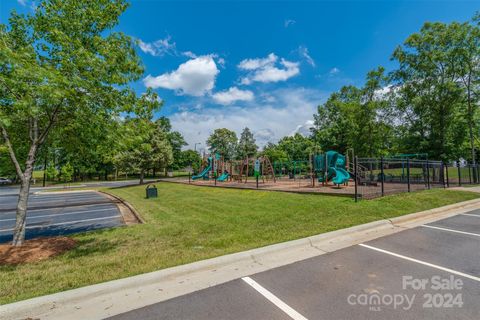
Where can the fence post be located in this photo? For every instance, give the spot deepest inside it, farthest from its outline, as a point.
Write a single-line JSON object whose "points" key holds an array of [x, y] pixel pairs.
{"points": [[325, 172], [312, 169], [469, 174], [442, 166], [446, 170], [459, 174], [355, 172], [428, 175], [474, 172], [408, 174], [383, 177], [478, 174]]}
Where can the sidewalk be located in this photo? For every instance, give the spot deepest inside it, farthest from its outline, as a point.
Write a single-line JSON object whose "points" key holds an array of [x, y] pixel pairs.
{"points": [[118, 296]]}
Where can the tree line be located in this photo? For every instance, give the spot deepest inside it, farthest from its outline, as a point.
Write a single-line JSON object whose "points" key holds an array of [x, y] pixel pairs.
{"points": [[428, 104]]}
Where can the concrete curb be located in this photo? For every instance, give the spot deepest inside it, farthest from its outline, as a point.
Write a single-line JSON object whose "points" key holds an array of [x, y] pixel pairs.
{"points": [[114, 297], [128, 205]]}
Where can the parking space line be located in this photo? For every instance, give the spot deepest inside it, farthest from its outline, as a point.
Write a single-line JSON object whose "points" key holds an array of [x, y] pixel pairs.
{"points": [[273, 299], [48, 208], [61, 214], [470, 215], [451, 230], [63, 223], [458, 273]]}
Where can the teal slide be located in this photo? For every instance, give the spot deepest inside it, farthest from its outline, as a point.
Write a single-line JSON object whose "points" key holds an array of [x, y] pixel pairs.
{"points": [[223, 177], [341, 176], [333, 163], [204, 172]]}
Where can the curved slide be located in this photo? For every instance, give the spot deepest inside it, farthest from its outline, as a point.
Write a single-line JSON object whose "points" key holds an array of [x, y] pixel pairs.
{"points": [[204, 172], [341, 176], [223, 177]]}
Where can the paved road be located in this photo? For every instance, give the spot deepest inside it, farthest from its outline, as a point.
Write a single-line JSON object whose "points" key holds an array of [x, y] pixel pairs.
{"points": [[395, 277], [59, 214], [13, 189]]}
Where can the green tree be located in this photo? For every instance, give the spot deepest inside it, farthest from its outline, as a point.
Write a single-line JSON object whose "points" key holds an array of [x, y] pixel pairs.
{"points": [[224, 142], [246, 146], [428, 97], [466, 37], [66, 172], [296, 147], [145, 145], [51, 172], [189, 158], [61, 60], [175, 139], [357, 118], [274, 153]]}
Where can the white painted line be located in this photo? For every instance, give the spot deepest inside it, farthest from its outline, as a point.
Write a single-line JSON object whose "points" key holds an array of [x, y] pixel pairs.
{"points": [[451, 230], [63, 223], [458, 273], [470, 215], [60, 214], [273, 299], [46, 209]]}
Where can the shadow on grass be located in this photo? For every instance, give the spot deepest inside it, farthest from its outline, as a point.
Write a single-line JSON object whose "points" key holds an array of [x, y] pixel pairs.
{"points": [[91, 246]]}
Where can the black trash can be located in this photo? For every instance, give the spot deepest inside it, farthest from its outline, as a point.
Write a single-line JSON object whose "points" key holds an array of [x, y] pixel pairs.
{"points": [[151, 191]]}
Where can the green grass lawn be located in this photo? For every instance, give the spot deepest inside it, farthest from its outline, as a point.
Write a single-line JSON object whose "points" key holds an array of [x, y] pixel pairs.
{"points": [[188, 223]]}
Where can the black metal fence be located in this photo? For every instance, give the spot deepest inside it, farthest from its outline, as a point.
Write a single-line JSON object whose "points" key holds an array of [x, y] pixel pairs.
{"points": [[376, 177]]}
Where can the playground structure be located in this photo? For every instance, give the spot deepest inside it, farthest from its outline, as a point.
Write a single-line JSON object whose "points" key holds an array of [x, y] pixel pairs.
{"points": [[329, 169], [331, 166], [220, 170], [214, 167], [336, 174]]}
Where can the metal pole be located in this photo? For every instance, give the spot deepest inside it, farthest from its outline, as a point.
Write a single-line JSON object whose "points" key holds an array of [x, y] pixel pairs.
{"points": [[408, 174], [325, 172], [257, 180], [446, 171], [459, 174], [428, 175], [312, 170], [469, 174], [44, 171], [442, 166], [355, 172], [383, 177], [189, 174], [478, 173]]}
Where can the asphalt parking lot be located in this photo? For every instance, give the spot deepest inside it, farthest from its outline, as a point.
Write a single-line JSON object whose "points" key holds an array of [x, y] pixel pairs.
{"points": [[59, 214], [429, 272]]}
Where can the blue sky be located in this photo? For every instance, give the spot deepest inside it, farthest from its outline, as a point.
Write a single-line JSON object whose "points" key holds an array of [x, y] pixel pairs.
{"points": [[263, 64]]}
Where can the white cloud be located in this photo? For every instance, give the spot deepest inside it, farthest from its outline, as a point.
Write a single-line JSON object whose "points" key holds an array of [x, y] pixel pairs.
{"points": [[303, 129], [289, 22], [160, 47], [189, 54], [303, 51], [196, 77], [268, 121], [22, 2], [265, 69], [257, 63], [232, 95], [334, 70]]}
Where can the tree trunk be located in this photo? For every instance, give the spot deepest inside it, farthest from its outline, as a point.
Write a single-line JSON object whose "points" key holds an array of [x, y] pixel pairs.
{"points": [[21, 217], [142, 173], [20, 223]]}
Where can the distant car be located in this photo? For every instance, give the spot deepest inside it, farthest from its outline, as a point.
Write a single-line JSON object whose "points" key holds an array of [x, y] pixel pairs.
{"points": [[5, 181]]}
